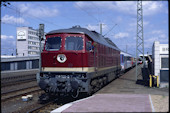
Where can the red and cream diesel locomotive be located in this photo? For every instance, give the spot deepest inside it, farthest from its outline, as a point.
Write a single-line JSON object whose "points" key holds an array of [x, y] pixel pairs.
{"points": [[77, 60]]}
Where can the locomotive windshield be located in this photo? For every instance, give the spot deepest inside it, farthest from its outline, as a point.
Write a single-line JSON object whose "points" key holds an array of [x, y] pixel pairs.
{"points": [[53, 43], [74, 43]]}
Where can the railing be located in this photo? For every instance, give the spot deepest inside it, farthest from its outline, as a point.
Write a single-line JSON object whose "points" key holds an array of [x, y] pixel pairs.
{"points": [[152, 79]]}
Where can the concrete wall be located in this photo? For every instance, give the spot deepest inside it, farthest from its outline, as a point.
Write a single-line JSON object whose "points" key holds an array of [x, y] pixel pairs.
{"points": [[159, 51], [156, 58]]}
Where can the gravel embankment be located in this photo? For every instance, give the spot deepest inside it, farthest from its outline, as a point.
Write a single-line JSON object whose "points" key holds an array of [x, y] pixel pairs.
{"points": [[160, 103]]}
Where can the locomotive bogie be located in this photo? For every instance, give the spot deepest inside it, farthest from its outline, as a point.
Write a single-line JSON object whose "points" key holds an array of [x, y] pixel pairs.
{"points": [[64, 83]]}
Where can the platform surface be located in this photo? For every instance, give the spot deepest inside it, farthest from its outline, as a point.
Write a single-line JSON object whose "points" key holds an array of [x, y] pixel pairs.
{"points": [[109, 103], [121, 95]]}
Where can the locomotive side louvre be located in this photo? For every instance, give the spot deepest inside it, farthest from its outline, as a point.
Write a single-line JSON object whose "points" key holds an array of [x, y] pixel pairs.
{"points": [[79, 61]]}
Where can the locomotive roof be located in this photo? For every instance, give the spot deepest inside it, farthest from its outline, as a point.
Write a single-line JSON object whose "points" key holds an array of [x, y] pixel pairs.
{"points": [[110, 42], [92, 34]]}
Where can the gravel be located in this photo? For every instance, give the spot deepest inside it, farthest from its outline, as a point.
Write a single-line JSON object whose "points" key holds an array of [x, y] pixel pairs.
{"points": [[160, 103]]}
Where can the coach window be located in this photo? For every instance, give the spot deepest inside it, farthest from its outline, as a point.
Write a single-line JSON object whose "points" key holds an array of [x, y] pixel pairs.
{"points": [[73, 43], [53, 43], [128, 58]]}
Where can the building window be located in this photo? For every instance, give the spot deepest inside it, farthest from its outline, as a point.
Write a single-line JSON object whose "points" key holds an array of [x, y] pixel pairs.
{"points": [[21, 65], [164, 62], [32, 53], [35, 64], [33, 38], [33, 43], [5, 66], [32, 47]]}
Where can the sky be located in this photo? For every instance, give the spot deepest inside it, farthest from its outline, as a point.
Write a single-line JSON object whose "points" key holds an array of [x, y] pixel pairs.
{"points": [[118, 19]]}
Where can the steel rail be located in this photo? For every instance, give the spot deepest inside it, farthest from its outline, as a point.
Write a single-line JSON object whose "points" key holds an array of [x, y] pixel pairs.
{"points": [[15, 96], [35, 110], [5, 84], [7, 92]]}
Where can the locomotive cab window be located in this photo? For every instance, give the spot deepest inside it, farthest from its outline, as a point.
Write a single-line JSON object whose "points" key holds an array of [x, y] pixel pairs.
{"points": [[89, 46], [53, 43], [74, 43]]}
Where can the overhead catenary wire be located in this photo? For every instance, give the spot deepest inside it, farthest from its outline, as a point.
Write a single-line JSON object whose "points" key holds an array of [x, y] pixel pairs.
{"points": [[97, 10], [109, 30], [96, 5], [33, 16], [17, 10], [6, 6], [87, 13], [124, 42]]}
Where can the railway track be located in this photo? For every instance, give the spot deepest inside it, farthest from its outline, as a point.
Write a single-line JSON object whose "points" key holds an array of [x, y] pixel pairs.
{"points": [[44, 107], [17, 93], [6, 84], [35, 107], [54, 104], [17, 80], [18, 90], [48, 107], [16, 77], [12, 87]]}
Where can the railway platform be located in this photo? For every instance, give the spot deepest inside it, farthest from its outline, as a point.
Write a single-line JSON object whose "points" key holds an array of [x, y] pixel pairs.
{"points": [[6, 74], [122, 95], [110, 103]]}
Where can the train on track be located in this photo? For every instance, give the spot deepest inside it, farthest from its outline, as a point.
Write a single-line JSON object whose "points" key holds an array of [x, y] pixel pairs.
{"points": [[127, 61], [77, 60]]}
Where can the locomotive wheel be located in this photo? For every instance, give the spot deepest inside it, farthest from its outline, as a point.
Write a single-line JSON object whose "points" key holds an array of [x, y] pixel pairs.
{"points": [[43, 98], [75, 93], [89, 93]]}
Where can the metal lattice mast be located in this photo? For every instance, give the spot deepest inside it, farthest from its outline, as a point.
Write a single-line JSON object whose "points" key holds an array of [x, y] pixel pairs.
{"points": [[139, 38]]}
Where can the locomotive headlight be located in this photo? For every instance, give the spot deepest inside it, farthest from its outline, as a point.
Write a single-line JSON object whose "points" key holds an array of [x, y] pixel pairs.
{"points": [[61, 58]]}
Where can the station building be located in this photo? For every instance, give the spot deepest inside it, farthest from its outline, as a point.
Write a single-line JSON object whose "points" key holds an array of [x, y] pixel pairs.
{"points": [[19, 63], [27, 43], [160, 58]]}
